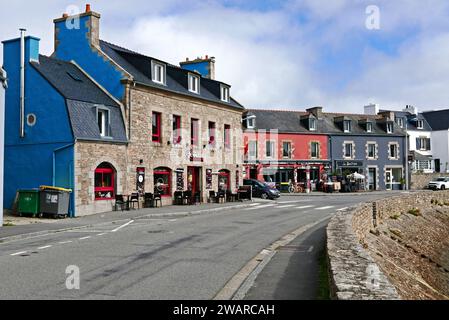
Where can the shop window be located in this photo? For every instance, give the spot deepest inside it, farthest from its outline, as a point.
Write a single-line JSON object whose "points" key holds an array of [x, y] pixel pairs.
{"points": [[227, 136], [162, 182], [397, 175], [156, 123], [104, 182], [177, 138], [224, 181], [194, 132], [212, 139]]}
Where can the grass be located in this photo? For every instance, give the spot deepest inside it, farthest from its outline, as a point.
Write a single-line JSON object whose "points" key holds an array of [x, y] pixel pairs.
{"points": [[8, 224], [395, 217], [323, 277], [415, 211]]}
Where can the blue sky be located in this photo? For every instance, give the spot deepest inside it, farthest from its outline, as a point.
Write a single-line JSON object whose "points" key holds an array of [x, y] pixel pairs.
{"points": [[288, 54]]}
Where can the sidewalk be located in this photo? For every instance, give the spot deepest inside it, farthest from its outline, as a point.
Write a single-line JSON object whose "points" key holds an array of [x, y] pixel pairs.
{"points": [[342, 194], [23, 227]]}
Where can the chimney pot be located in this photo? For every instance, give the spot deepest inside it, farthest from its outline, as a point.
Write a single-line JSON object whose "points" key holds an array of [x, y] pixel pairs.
{"points": [[65, 15], [88, 8], [207, 57]]}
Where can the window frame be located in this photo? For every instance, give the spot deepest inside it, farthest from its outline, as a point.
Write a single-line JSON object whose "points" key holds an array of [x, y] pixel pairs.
{"points": [[317, 151], [395, 155], [349, 129], [400, 122], [272, 149], [369, 127], [164, 172], [390, 127], [290, 152], [111, 188], [194, 132], [225, 93], [373, 157], [212, 132], [420, 124], [177, 132], [194, 82], [156, 137], [250, 144], [163, 73], [105, 125], [351, 156], [227, 136], [312, 124]]}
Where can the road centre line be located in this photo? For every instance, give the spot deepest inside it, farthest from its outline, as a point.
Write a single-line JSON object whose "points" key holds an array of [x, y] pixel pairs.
{"points": [[304, 207], [65, 242], [123, 226], [325, 208], [286, 206], [85, 238], [44, 247], [18, 253]]}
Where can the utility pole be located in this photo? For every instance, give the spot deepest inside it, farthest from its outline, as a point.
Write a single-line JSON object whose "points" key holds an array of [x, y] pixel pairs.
{"points": [[407, 187], [3, 86]]}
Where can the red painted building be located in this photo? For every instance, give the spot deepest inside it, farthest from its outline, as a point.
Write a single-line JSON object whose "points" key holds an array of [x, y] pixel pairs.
{"points": [[286, 146]]}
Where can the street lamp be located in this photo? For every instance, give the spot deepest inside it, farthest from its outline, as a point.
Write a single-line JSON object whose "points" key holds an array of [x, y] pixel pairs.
{"points": [[3, 86]]}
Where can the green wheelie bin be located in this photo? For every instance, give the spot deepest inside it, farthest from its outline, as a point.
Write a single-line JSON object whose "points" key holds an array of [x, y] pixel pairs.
{"points": [[29, 202]]}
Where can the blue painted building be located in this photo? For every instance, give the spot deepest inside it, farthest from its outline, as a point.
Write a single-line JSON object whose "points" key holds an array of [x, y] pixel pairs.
{"points": [[61, 101]]}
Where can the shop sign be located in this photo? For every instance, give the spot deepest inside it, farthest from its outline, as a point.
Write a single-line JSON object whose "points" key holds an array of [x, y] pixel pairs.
{"points": [[350, 163], [179, 179], [208, 179], [140, 185]]}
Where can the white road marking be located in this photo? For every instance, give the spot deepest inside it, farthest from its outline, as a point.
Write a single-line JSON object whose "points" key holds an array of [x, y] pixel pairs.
{"points": [[343, 209], [297, 201], [325, 208], [286, 206], [121, 227], [100, 234], [44, 247], [85, 238], [18, 253], [310, 249], [65, 242], [173, 220], [304, 207], [260, 207]]}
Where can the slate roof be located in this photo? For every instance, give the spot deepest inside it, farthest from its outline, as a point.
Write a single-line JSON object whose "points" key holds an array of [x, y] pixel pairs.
{"points": [[438, 120], [411, 120], [83, 97], [139, 66], [290, 122]]}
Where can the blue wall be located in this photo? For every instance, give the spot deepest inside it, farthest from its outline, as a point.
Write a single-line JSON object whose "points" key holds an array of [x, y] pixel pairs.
{"points": [[29, 160], [337, 142], [73, 44], [200, 67]]}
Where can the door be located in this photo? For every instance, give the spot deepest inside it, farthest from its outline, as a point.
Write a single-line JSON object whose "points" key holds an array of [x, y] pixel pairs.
{"points": [[224, 180], [388, 180], [194, 179], [372, 177], [437, 166]]}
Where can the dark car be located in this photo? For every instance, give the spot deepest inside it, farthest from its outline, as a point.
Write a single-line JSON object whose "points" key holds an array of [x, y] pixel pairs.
{"points": [[262, 190]]}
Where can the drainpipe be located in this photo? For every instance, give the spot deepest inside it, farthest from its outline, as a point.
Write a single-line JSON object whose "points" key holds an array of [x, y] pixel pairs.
{"points": [[3, 86], [22, 83], [129, 110]]}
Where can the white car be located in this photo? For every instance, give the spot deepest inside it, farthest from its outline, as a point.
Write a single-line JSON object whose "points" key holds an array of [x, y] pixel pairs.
{"points": [[439, 184]]}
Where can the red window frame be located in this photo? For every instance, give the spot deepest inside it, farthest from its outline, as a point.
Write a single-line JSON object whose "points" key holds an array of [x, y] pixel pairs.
{"points": [[177, 138], [156, 134], [111, 188], [165, 172], [212, 136], [194, 131], [227, 136]]}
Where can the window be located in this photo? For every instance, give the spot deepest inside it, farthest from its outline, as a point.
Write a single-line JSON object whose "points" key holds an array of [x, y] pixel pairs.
{"points": [[372, 150], [390, 127], [104, 182], [251, 122], [224, 93], [177, 138], [227, 136], [397, 175], [162, 182], [287, 149], [212, 129], [348, 150], [269, 149], [194, 83], [103, 122], [394, 154], [400, 122], [158, 72], [315, 150], [423, 144], [194, 132], [156, 127], [347, 126], [423, 165], [252, 149], [312, 124], [420, 124], [369, 127]]}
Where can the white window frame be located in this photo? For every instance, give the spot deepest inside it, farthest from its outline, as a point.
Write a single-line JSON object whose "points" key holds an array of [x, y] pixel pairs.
{"points": [[252, 149], [154, 68], [369, 127], [317, 151], [420, 124], [374, 151], [194, 83], [347, 122], [251, 123], [272, 149], [400, 122], [290, 153], [106, 121], [351, 156], [390, 127], [224, 93], [312, 124], [396, 151]]}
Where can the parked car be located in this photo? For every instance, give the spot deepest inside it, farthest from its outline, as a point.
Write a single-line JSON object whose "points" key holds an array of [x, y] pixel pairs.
{"points": [[262, 190], [439, 184]]}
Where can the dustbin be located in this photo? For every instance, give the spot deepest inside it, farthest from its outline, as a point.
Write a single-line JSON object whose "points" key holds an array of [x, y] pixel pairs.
{"points": [[55, 201], [29, 202]]}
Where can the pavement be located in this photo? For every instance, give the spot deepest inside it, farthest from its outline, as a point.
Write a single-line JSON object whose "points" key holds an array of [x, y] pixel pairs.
{"points": [[168, 253]]}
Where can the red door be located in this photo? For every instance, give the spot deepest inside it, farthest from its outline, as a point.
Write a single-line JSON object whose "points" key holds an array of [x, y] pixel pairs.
{"points": [[194, 181]]}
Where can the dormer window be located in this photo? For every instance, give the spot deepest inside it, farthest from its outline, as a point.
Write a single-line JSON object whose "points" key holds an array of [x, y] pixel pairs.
{"points": [[158, 72], [224, 93], [251, 122], [369, 127], [400, 122], [312, 124], [420, 124], [347, 126], [194, 83], [103, 122], [390, 127]]}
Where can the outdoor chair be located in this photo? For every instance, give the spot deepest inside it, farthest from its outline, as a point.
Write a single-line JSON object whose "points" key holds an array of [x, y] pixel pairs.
{"points": [[213, 198], [178, 198], [187, 197], [157, 198], [149, 200], [221, 196], [120, 201], [134, 199]]}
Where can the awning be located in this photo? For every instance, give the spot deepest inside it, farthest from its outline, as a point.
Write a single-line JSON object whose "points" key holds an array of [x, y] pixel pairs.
{"points": [[420, 156]]}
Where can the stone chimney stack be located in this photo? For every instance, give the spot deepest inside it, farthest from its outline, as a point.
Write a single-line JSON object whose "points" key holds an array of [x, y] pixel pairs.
{"points": [[204, 66], [316, 111], [372, 109]]}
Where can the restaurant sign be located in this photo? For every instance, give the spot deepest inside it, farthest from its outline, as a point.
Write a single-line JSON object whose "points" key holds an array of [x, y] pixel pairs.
{"points": [[350, 164]]}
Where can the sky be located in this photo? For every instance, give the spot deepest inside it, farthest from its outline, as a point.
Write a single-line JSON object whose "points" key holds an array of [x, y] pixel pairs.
{"points": [[292, 54]]}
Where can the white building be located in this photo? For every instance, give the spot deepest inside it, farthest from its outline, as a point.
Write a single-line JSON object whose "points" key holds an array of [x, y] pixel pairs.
{"points": [[439, 121]]}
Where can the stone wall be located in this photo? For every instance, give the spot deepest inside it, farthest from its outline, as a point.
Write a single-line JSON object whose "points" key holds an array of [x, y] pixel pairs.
{"points": [[420, 181], [405, 248]]}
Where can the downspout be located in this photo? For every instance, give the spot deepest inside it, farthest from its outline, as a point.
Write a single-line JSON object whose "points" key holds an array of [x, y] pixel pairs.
{"points": [[129, 110], [22, 83]]}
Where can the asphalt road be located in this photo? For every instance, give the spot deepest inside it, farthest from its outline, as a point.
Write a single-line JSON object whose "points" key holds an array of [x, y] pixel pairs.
{"points": [[158, 258]]}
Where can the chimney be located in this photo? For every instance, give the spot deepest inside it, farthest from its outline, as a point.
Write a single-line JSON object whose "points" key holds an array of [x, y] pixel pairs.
{"points": [[316, 111], [387, 115], [68, 27], [411, 109], [205, 67], [372, 109]]}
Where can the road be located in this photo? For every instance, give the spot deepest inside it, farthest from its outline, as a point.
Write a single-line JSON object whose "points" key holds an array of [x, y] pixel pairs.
{"points": [[159, 258]]}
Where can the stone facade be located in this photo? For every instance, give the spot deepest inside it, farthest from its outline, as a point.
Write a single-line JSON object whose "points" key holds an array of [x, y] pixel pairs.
{"points": [[420, 181], [404, 241]]}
